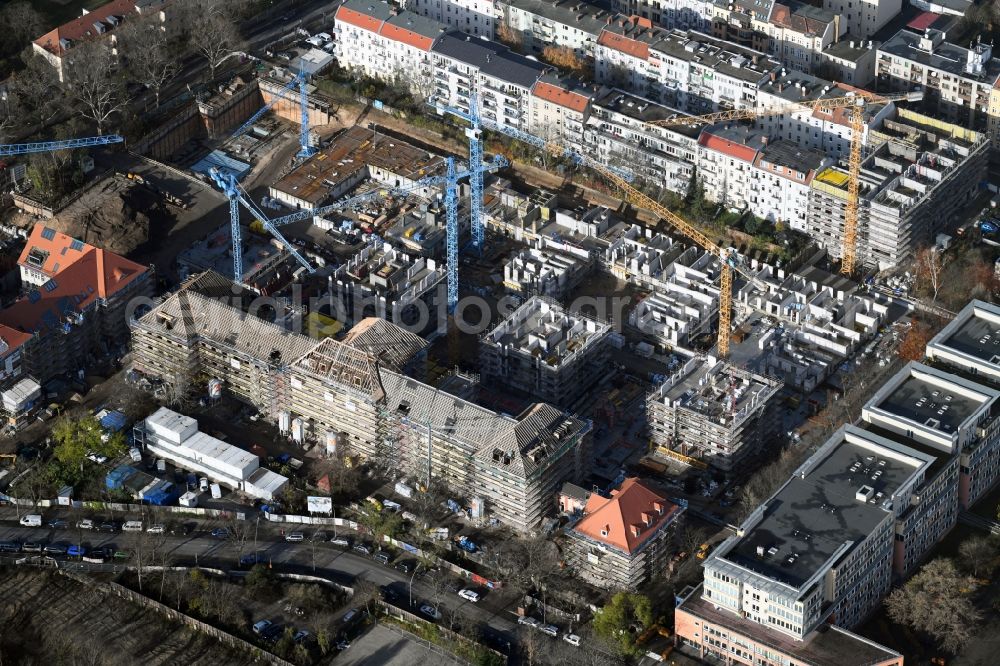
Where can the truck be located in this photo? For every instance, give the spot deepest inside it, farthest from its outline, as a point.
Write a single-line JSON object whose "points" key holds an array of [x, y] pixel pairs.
{"points": [[31, 520], [216, 491]]}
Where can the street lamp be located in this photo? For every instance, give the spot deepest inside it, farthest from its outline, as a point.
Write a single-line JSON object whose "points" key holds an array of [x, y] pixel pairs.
{"points": [[412, 575]]}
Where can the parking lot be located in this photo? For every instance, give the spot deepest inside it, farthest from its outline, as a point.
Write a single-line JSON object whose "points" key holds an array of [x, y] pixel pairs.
{"points": [[386, 646]]}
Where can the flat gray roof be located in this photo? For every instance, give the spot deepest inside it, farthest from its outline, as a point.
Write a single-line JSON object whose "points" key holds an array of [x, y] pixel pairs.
{"points": [[977, 337], [946, 56], [493, 59], [930, 404], [814, 515], [792, 155]]}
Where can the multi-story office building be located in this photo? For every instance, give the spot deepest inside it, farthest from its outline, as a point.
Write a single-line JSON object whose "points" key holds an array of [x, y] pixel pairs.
{"points": [[714, 412], [958, 83], [623, 541], [970, 345], [820, 550], [473, 17], [546, 352], [352, 396]]}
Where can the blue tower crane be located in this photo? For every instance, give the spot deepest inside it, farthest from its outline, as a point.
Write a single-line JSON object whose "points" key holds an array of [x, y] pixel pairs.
{"points": [[485, 123], [451, 217], [296, 85], [10, 149], [230, 187], [474, 134]]}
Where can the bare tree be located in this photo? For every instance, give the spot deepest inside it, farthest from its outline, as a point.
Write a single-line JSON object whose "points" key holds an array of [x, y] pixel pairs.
{"points": [[36, 91], [929, 269], [978, 555], [21, 23], [93, 83], [211, 28], [936, 601], [239, 533], [151, 59]]}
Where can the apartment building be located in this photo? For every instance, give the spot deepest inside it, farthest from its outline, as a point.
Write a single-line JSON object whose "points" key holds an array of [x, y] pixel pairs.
{"points": [[93, 25], [713, 411], [546, 352], [474, 17], [375, 39], [76, 304], [780, 179], [352, 396], [558, 108], [968, 345], [503, 79], [849, 61], [726, 158], [671, 14], [620, 130], [572, 24], [958, 83], [865, 18], [625, 540], [686, 70]]}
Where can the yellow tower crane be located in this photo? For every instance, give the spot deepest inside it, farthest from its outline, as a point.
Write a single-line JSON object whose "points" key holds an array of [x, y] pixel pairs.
{"points": [[856, 101]]}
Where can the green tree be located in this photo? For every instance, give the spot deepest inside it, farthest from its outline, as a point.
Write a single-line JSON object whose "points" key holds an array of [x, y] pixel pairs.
{"points": [[615, 621], [323, 641], [75, 438]]}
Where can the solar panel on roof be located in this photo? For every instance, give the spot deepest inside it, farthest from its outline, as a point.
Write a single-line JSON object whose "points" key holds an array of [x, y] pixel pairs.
{"points": [[34, 296], [76, 245], [48, 234], [50, 285]]}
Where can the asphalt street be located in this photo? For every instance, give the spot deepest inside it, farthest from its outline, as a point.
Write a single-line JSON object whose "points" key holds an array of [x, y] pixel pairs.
{"points": [[321, 559]]}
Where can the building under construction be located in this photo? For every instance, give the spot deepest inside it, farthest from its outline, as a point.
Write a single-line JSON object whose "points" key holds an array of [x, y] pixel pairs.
{"points": [[353, 397], [546, 352], [713, 412]]}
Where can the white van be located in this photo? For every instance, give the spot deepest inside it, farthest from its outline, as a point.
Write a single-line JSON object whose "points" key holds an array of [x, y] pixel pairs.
{"points": [[31, 520], [132, 526]]}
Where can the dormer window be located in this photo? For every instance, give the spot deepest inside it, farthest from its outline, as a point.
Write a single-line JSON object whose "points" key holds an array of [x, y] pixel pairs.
{"points": [[604, 532]]}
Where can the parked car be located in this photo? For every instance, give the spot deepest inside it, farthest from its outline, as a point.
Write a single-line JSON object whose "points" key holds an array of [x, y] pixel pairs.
{"points": [[260, 626], [362, 548], [469, 595], [300, 636], [388, 594], [58, 524], [272, 633], [549, 630], [382, 557], [156, 529], [406, 566], [76, 551], [85, 524], [529, 621], [350, 616], [107, 527], [32, 547], [294, 537], [430, 611], [54, 549], [10, 547], [572, 639], [341, 541], [220, 533]]}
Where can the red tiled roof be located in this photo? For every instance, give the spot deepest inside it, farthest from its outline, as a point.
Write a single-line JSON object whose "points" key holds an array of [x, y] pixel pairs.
{"points": [[923, 21], [79, 274], [561, 96], [632, 47], [727, 147], [629, 506], [81, 28], [398, 34], [356, 18]]}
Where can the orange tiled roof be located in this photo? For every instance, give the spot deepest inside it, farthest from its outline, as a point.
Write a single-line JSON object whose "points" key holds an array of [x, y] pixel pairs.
{"points": [[81, 28], [631, 505], [632, 47], [356, 18], [561, 96], [79, 274], [727, 147], [398, 34]]}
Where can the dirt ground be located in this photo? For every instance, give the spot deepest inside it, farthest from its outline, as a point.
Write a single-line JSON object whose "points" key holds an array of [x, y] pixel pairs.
{"points": [[50, 619]]}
